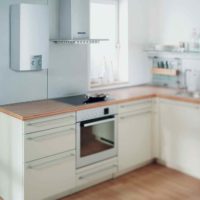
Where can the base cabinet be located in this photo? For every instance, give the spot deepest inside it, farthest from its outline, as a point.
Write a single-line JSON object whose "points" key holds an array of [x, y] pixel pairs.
{"points": [[39, 157], [147, 129], [180, 136], [156, 128], [135, 138], [96, 173], [46, 178]]}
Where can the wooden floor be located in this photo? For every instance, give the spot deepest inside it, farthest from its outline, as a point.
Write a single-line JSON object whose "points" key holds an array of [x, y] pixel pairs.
{"points": [[153, 182]]}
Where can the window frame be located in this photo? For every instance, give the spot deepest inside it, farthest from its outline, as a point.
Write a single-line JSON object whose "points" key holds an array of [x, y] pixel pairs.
{"points": [[114, 84]]}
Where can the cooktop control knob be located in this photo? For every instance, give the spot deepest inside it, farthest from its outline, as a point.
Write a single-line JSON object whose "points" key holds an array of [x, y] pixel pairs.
{"points": [[106, 111]]}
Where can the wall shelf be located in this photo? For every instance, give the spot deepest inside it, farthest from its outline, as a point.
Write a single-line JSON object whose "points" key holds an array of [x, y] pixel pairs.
{"points": [[79, 42], [166, 72], [172, 52]]}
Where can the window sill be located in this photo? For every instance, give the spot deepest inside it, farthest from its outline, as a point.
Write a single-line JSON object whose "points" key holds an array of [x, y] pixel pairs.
{"points": [[115, 85]]}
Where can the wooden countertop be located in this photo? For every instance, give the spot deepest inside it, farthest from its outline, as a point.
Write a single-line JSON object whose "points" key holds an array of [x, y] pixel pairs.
{"points": [[36, 109], [46, 108]]}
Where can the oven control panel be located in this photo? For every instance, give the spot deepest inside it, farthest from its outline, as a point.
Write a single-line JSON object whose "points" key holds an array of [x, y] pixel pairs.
{"points": [[96, 113], [106, 111]]}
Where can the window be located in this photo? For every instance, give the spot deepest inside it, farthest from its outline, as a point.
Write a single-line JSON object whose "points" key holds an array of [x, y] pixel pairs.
{"points": [[105, 66]]}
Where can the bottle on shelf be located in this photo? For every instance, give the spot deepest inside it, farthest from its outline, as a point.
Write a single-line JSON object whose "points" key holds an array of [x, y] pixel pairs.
{"points": [[195, 40]]}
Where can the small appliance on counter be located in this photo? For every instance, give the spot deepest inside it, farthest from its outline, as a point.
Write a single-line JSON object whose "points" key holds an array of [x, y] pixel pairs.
{"points": [[84, 99]]}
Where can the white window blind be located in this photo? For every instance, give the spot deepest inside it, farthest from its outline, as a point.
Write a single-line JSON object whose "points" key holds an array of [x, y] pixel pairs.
{"points": [[104, 57]]}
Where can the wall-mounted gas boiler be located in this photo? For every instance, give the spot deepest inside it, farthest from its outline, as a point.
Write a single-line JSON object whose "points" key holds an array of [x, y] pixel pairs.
{"points": [[29, 37]]}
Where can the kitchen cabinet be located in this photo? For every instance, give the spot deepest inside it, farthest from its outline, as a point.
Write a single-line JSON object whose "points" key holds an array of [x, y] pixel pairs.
{"points": [[39, 157], [156, 127], [180, 136], [96, 173], [135, 134], [49, 142], [48, 177]]}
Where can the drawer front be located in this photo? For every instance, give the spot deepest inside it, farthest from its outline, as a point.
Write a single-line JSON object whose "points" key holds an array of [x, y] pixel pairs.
{"points": [[50, 142], [96, 173], [135, 106], [50, 177], [49, 123]]}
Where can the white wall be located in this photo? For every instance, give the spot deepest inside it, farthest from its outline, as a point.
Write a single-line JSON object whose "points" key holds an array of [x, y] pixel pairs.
{"points": [[174, 20], [139, 11], [14, 86], [159, 21], [152, 21], [67, 69]]}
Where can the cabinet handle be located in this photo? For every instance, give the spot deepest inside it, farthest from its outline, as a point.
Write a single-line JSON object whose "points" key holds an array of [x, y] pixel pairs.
{"points": [[136, 104], [45, 136], [180, 104], [46, 164], [45, 123], [81, 33], [99, 122], [135, 114], [94, 173]]}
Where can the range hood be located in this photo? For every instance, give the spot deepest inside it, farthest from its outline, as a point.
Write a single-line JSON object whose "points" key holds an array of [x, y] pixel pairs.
{"points": [[29, 34], [74, 23]]}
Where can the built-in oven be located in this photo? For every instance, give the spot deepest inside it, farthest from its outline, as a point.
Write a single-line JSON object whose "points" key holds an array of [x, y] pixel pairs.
{"points": [[96, 135]]}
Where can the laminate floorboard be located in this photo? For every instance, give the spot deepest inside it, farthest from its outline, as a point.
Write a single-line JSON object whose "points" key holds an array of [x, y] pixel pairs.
{"points": [[153, 182]]}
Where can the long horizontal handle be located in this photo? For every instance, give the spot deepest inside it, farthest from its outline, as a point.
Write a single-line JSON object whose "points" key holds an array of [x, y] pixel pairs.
{"points": [[45, 123], [99, 122], [96, 172], [35, 136], [135, 114], [136, 104], [48, 163]]}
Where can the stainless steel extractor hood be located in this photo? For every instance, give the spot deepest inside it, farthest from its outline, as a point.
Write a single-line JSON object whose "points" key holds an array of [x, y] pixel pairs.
{"points": [[74, 22]]}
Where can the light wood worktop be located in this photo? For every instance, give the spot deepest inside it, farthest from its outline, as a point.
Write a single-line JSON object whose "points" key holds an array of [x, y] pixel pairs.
{"points": [[46, 108], [36, 109]]}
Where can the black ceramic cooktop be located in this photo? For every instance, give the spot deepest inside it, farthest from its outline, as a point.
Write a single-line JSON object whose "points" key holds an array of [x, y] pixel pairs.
{"points": [[81, 99]]}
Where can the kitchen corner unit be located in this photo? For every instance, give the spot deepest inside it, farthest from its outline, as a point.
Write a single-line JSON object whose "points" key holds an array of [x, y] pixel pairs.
{"points": [[40, 153], [135, 135]]}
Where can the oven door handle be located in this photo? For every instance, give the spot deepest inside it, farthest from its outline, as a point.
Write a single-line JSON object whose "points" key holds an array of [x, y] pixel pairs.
{"points": [[98, 122]]}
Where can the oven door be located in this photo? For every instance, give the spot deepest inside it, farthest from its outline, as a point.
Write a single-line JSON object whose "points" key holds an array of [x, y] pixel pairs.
{"points": [[96, 140]]}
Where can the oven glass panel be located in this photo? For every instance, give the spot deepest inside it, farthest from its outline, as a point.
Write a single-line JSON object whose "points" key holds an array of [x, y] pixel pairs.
{"points": [[97, 138]]}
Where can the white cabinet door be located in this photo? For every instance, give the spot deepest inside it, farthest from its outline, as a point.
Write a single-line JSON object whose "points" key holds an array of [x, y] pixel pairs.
{"points": [[49, 142], [96, 173], [47, 123], [156, 128], [135, 139], [180, 136], [50, 177]]}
